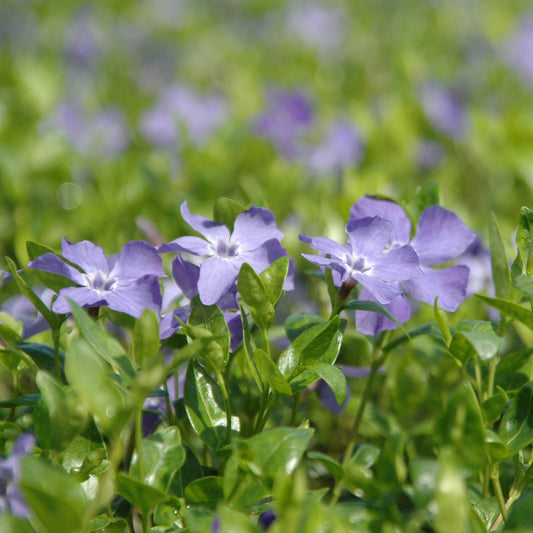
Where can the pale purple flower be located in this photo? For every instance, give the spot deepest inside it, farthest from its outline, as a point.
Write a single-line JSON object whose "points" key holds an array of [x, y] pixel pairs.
{"points": [[255, 240], [518, 49], [11, 498], [341, 148], [429, 154], [181, 106], [477, 258], [287, 115], [440, 237], [365, 259], [444, 110], [130, 285], [83, 38]]}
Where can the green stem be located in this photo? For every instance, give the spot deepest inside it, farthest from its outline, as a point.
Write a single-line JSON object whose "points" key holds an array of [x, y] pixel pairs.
{"points": [[479, 381], [495, 477], [492, 375], [138, 440], [227, 406], [378, 358], [57, 358], [294, 411]]}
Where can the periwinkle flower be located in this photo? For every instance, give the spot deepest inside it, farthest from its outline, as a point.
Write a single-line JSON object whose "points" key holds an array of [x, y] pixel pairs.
{"points": [[266, 519], [255, 240], [129, 286], [288, 114], [340, 148], [440, 237], [444, 110], [179, 105], [11, 498], [365, 259]]}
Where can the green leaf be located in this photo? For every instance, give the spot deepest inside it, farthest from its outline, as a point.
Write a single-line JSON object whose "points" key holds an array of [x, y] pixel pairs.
{"points": [[296, 324], [226, 211], [524, 241], [426, 196], [11, 524], [146, 337], [54, 497], [333, 376], [249, 348], [107, 524], [432, 329], [273, 278], [441, 321], [473, 337], [461, 427], [516, 427], [520, 517], [525, 285], [254, 293], [271, 374], [512, 362], [85, 453], [492, 408], [43, 355], [374, 307], [424, 474], [332, 466], [495, 447], [66, 415], [510, 309], [106, 346], [205, 492], [189, 471], [87, 373], [501, 274], [140, 495], [204, 405], [162, 455], [27, 399]]}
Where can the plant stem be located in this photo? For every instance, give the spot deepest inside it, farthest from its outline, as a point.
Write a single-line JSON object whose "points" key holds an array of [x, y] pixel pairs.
{"points": [[57, 358], [495, 477], [378, 358], [227, 406], [138, 440]]}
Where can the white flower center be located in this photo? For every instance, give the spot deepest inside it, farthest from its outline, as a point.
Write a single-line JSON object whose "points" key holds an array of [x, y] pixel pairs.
{"points": [[226, 250], [100, 282], [357, 264]]}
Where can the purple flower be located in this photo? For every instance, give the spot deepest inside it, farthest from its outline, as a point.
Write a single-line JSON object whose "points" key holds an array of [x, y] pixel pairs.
{"points": [[266, 519], [287, 116], [444, 110], [179, 105], [340, 148], [129, 286], [429, 154], [186, 276], [11, 499], [255, 240], [518, 49], [440, 237], [365, 259], [477, 258]]}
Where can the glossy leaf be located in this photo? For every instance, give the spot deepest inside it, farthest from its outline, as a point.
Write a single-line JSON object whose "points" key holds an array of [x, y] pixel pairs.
{"points": [[54, 497], [146, 337], [204, 405], [43, 355], [333, 467], [255, 294], [516, 427], [524, 241], [162, 455], [510, 309], [475, 337], [142, 496], [271, 374], [296, 324], [107, 524], [225, 211], [273, 278], [525, 285], [205, 492], [501, 274], [333, 376]]}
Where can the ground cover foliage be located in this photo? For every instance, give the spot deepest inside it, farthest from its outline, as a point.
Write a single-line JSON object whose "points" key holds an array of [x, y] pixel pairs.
{"points": [[267, 266]]}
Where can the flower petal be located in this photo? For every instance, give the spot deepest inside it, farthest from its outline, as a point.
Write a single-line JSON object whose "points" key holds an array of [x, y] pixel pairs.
{"points": [[382, 291], [449, 284], [326, 246], [137, 259], [368, 236], [49, 262], [254, 227], [134, 298], [440, 236], [368, 206], [86, 254], [212, 231], [83, 296], [216, 277], [397, 265], [369, 323], [186, 276], [190, 245]]}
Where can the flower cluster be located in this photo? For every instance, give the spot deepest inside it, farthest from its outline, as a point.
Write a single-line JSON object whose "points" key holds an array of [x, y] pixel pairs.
{"points": [[388, 264]]}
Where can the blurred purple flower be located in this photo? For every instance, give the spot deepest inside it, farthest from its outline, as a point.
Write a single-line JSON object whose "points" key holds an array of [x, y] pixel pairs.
{"points": [[440, 237], [130, 285], [22, 310], [365, 259], [518, 49], [444, 110], [11, 498], [340, 148], [288, 114], [82, 38], [266, 519], [255, 240], [318, 25], [179, 105], [429, 154]]}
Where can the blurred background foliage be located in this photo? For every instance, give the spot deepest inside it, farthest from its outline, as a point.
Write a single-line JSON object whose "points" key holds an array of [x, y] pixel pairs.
{"points": [[111, 111]]}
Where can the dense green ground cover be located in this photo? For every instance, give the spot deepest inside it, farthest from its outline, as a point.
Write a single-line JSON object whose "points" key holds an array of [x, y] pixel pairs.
{"points": [[112, 114]]}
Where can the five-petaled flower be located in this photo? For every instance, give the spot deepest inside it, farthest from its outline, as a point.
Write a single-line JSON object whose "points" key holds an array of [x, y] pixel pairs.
{"points": [[128, 285], [255, 240], [365, 259]]}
